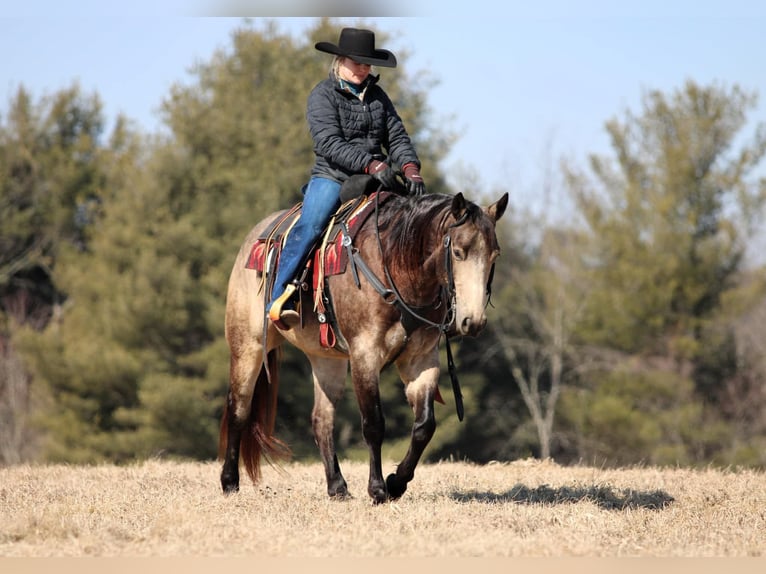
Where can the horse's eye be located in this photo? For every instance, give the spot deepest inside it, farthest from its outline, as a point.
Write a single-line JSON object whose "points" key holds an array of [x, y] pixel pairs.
{"points": [[458, 253]]}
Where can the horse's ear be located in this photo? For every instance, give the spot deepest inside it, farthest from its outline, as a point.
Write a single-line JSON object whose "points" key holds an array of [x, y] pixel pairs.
{"points": [[496, 210], [458, 205]]}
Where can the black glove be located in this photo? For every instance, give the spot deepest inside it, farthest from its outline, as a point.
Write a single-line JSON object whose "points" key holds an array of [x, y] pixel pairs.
{"points": [[413, 179], [383, 173]]}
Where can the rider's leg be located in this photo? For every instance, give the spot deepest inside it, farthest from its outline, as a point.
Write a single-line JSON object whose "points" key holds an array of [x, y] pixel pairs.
{"points": [[320, 201]]}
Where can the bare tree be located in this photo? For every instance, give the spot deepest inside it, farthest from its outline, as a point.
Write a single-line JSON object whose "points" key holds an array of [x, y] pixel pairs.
{"points": [[744, 394], [16, 432], [544, 358], [14, 405], [548, 296]]}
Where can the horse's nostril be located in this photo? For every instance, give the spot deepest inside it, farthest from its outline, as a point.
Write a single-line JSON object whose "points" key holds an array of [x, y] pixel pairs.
{"points": [[471, 327]]}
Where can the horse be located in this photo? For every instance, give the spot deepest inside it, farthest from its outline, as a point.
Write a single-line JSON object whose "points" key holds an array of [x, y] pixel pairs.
{"points": [[419, 268]]}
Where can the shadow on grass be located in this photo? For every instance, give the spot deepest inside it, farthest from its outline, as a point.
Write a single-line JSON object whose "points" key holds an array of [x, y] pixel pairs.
{"points": [[605, 497]]}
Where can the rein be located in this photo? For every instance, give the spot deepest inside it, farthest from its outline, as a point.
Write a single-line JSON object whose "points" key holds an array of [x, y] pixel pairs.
{"points": [[410, 318]]}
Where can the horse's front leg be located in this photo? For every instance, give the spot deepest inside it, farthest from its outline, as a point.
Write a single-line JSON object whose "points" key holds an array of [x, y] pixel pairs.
{"points": [[329, 380], [421, 377], [365, 382]]}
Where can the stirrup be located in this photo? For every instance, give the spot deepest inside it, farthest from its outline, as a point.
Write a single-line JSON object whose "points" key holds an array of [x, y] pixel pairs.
{"points": [[275, 312]]}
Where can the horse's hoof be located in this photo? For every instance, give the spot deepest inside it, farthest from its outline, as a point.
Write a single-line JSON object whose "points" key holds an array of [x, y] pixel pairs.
{"points": [[230, 484], [338, 490], [230, 489], [396, 487], [378, 495], [345, 495]]}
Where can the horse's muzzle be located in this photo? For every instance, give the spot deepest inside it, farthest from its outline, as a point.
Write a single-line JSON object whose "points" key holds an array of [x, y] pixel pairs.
{"points": [[471, 327]]}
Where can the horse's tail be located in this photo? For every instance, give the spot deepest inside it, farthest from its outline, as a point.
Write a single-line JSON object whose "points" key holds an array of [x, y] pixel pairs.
{"points": [[258, 441]]}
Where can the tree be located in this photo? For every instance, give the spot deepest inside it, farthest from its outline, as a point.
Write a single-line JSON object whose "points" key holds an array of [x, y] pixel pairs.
{"points": [[639, 412], [732, 369], [549, 298], [543, 301], [51, 186], [669, 221]]}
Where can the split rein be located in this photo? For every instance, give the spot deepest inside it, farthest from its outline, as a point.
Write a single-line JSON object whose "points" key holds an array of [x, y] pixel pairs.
{"points": [[410, 317]]}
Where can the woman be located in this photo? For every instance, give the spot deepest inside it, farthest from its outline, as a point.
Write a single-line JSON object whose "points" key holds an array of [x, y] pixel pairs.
{"points": [[352, 122]]}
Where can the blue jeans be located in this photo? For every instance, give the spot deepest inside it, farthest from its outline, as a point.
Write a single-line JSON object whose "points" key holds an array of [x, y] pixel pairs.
{"points": [[321, 200]]}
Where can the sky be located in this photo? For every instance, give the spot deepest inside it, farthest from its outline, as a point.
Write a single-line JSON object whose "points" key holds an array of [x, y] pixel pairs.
{"points": [[522, 83]]}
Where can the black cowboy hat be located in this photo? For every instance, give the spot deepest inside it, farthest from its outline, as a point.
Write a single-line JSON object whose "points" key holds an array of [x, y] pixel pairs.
{"points": [[359, 45]]}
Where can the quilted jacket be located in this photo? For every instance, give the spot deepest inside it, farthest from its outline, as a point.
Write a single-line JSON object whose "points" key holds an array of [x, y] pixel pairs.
{"points": [[349, 133]]}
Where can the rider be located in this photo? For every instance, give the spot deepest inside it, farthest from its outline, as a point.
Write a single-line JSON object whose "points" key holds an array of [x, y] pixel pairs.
{"points": [[351, 120]]}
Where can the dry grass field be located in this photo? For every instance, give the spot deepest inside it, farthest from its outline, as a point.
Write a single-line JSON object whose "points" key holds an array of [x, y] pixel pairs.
{"points": [[452, 510]]}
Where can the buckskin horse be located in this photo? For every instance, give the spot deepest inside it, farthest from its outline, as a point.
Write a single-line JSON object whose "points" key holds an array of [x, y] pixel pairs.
{"points": [[414, 270]]}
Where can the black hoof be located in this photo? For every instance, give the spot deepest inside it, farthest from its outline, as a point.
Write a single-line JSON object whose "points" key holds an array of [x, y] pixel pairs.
{"points": [[338, 489], [345, 495], [230, 484], [396, 487], [378, 494]]}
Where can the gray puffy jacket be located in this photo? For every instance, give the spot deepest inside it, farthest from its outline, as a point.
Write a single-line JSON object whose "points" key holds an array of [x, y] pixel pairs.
{"points": [[348, 133]]}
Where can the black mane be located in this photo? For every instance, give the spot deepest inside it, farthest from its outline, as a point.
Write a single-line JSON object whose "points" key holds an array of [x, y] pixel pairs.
{"points": [[412, 228]]}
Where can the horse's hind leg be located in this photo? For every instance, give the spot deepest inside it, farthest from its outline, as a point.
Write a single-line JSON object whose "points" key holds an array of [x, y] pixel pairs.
{"points": [[329, 382], [243, 373], [421, 378]]}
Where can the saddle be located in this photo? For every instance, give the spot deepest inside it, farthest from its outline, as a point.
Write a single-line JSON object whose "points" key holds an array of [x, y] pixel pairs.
{"points": [[329, 256]]}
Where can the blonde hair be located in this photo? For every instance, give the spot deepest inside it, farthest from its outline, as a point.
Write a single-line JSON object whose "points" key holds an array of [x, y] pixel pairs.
{"points": [[335, 66]]}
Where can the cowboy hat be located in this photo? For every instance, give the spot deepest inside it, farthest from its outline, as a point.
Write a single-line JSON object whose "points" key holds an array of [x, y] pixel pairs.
{"points": [[359, 45]]}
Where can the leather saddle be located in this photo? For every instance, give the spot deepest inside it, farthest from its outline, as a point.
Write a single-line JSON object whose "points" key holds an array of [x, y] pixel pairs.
{"points": [[329, 256]]}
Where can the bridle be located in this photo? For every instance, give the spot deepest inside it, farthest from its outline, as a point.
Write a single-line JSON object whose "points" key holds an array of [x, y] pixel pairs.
{"points": [[411, 317]]}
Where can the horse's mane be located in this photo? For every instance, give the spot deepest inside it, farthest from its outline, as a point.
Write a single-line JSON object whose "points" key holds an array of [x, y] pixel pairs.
{"points": [[411, 227]]}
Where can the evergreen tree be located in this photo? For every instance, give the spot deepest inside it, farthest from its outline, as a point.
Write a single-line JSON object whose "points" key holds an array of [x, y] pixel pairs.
{"points": [[51, 188], [667, 224], [670, 217]]}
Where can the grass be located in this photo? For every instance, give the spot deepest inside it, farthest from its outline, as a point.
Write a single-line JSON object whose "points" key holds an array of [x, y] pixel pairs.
{"points": [[521, 509]]}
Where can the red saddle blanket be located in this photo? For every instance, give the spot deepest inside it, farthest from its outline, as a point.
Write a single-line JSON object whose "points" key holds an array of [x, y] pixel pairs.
{"points": [[353, 213]]}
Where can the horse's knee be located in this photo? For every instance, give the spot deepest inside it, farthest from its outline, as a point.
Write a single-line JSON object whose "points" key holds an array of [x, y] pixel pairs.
{"points": [[424, 430], [373, 428]]}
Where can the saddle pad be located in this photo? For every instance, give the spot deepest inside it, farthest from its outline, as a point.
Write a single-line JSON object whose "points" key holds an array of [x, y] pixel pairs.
{"points": [[335, 256]]}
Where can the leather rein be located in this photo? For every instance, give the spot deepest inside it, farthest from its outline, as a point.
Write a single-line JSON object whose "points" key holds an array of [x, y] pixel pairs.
{"points": [[411, 317]]}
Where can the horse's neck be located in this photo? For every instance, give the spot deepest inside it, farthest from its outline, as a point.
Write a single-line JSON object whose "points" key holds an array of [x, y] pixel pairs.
{"points": [[424, 286]]}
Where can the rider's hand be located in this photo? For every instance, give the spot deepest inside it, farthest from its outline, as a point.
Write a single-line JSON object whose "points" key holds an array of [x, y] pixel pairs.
{"points": [[383, 173], [413, 179]]}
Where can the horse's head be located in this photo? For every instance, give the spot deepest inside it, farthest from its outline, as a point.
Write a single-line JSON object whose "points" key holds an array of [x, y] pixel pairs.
{"points": [[471, 250]]}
